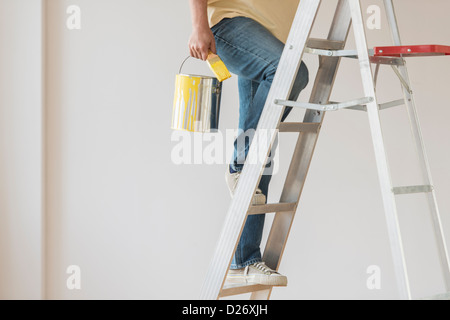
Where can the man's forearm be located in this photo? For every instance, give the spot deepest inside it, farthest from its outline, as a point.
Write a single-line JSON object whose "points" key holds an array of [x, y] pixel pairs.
{"points": [[202, 40], [199, 13]]}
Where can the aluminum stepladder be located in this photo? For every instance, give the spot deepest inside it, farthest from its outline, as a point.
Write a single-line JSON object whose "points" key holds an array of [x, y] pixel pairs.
{"points": [[348, 12]]}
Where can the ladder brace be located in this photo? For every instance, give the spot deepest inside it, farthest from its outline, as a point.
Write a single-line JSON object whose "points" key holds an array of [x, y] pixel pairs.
{"points": [[402, 80], [335, 53], [381, 106]]}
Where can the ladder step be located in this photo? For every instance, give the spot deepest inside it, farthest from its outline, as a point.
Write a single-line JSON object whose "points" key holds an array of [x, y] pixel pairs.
{"points": [[241, 289], [412, 189], [272, 207], [325, 44], [299, 127]]}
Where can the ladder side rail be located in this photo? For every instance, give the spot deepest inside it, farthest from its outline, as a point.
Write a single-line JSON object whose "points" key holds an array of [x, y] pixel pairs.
{"points": [[421, 150], [380, 153]]}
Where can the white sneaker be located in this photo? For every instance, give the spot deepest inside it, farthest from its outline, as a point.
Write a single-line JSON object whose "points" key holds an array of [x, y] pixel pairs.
{"points": [[232, 179], [257, 273]]}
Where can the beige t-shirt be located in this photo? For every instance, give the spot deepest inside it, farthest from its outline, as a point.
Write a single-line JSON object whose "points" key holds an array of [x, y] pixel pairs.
{"points": [[275, 15]]}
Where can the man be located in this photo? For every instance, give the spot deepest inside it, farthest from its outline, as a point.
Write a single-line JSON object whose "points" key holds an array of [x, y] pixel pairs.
{"points": [[249, 37]]}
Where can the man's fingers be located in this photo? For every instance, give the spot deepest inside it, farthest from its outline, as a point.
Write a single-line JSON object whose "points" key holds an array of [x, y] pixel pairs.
{"points": [[213, 47], [201, 43], [204, 54], [194, 53], [191, 52], [201, 50]]}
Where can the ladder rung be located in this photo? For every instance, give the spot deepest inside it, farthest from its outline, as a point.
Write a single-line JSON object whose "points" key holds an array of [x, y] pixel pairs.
{"points": [[442, 296], [325, 44], [391, 104], [272, 207], [241, 289], [299, 127], [412, 189], [381, 106], [324, 107]]}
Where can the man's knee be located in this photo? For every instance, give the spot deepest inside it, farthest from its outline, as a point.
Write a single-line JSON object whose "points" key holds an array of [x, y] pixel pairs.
{"points": [[270, 72]]}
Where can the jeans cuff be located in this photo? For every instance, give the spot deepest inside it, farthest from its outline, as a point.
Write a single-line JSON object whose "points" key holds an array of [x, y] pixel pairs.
{"points": [[235, 168], [243, 265]]}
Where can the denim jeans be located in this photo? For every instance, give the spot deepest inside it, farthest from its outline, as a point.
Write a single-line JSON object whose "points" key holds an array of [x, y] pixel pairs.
{"points": [[252, 53]]}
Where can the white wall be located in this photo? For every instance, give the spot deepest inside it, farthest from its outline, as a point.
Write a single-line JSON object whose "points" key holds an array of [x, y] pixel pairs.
{"points": [[20, 149], [142, 227]]}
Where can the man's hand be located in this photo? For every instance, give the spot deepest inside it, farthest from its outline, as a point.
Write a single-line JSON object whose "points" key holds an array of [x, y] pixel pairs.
{"points": [[201, 42], [202, 39]]}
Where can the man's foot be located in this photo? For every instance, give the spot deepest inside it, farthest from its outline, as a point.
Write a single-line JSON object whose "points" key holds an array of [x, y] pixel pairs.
{"points": [[257, 273], [232, 179]]}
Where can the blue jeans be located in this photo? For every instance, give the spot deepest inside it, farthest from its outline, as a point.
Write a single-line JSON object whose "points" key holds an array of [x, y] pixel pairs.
{"points": [[252, 53]]}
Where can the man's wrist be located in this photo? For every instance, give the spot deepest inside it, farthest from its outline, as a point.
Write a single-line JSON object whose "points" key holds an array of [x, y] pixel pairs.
{"points": [[200, 26]]}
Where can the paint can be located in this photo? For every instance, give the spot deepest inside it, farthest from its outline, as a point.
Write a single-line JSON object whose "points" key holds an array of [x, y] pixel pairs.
{"points": [[196, 105]]}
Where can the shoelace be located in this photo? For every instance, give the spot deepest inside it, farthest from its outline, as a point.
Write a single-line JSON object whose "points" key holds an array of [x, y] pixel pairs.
{"points": [[260, 266]]}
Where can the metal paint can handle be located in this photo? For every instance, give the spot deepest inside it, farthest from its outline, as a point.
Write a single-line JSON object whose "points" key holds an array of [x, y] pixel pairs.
{"points": [[182, 64]]}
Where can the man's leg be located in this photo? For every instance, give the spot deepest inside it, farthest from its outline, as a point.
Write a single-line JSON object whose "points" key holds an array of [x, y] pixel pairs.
{"points": [[248, 250], [253, 53]]}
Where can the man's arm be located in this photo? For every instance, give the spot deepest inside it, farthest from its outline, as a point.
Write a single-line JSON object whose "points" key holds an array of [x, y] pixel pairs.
{"points": [[202, 39]]}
